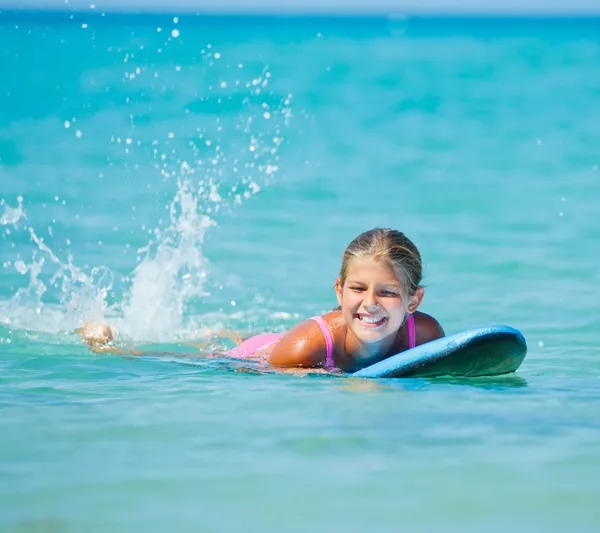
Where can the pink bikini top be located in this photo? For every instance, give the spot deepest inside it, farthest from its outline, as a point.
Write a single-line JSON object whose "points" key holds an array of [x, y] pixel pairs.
{"points": [[410, 322]]}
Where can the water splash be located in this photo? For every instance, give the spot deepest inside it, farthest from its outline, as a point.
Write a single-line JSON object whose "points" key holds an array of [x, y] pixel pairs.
{"points": [[81, 294], [173, 274], [212, 178], [213, 169]]}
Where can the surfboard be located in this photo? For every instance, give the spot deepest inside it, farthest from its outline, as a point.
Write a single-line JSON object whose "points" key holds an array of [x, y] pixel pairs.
{"points": [[488, 351]]}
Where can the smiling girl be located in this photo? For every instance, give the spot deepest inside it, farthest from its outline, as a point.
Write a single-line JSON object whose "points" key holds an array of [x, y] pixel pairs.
{"points": [[378, 293]]}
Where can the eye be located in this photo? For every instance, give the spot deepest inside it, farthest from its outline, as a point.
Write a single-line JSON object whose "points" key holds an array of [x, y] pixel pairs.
{"points": [[389, 293], [357, 289]]}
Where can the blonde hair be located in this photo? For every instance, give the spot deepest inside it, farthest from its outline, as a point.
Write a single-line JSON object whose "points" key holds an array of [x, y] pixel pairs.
{"points": [[390, 247]]}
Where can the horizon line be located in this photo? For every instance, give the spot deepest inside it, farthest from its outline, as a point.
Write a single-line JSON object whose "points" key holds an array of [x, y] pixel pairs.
{"points": [[306, 13]]}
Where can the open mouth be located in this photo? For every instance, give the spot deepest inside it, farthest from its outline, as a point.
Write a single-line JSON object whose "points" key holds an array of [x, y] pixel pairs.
{"points": [[371, 321]]}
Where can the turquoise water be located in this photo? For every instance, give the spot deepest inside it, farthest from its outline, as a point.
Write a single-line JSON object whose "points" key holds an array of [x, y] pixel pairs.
{"points": [[208, 175]]}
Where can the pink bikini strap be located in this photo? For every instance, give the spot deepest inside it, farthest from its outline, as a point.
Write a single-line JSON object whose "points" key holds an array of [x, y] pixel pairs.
{"points": [[411, 331], [328, 340]]}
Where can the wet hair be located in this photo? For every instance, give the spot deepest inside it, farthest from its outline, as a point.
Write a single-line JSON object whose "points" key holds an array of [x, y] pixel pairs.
{"points": [[391, 248]]}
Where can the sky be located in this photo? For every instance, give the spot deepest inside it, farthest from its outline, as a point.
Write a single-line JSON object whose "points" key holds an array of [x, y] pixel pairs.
{"points": [[320, 6]]}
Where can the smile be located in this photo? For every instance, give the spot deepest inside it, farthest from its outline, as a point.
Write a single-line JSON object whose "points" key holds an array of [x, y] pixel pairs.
{"points": [[371, 321]]}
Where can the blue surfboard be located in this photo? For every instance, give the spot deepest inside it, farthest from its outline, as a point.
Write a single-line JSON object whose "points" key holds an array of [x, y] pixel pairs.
{"points": [[488, 351]]}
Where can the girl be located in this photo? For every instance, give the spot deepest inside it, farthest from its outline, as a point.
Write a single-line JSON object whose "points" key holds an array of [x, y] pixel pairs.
{"points": [[378, 293]]}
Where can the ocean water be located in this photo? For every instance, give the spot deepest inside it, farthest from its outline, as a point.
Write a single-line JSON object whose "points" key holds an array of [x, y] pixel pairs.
{"points": [[176, 175]]}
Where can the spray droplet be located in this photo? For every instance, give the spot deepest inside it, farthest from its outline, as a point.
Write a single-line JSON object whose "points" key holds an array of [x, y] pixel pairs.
{"points": [[175, 34], [78, 134], [540, 344], [67, 124], [21, 267], [102, 278]]}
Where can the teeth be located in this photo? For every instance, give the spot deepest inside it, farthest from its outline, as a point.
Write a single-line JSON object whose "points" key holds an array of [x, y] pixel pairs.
{"points": [[370, 319]]}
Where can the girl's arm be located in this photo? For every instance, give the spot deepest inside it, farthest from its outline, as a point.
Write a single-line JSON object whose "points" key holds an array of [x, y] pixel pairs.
{"points": [[303, 346]]}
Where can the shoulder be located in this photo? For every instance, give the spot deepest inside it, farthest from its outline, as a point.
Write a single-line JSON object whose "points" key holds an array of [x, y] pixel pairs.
{"points": [[302, 346], [427, 328]]}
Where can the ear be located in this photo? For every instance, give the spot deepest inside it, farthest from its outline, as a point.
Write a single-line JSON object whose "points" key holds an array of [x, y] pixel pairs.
{"points": [[416, 299], [338, 290]]}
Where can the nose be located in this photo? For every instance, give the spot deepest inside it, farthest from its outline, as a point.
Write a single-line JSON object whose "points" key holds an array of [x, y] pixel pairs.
{"points": [[370, 300]]}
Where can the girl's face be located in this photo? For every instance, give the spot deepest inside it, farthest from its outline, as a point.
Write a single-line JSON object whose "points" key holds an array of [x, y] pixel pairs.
{"points": [[374, 301]]}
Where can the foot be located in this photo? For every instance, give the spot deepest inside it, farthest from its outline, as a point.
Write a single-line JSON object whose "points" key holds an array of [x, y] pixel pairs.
{"points": [[96, 334]]}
